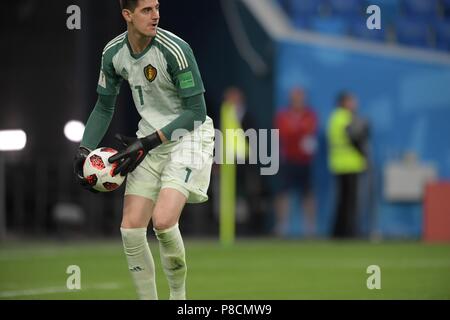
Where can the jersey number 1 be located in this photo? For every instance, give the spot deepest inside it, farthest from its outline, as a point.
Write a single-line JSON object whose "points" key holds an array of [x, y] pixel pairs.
{"points": [[141, 96], [188, 175]]}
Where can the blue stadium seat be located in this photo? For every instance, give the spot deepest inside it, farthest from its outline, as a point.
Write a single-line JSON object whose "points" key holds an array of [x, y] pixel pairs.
{"points": [[390, 10], [330, 25], [358, 29], [412, 32], [442, 30], [301, 22], [446, 5], [346, 8], [301, 11], [305, 8], [285, 4], [424, 9]]}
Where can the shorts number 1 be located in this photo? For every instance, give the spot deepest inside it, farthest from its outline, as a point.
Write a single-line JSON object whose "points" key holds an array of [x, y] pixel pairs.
{"points": [[189, 171]]}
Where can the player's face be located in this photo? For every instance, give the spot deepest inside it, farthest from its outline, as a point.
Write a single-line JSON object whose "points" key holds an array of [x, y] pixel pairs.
{"points": [[351, 103], [145, 17], [297, 98]]}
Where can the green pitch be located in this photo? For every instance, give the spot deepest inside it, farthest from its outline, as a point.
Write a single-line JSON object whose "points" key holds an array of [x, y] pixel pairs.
{"points": [[258, 269]]}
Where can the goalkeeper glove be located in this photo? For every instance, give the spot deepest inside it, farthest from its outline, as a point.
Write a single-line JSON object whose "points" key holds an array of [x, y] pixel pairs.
{"points": [[78, 163], [134, 153]]}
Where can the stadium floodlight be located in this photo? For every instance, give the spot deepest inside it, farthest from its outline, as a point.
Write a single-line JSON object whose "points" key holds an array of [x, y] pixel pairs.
{"points": [[74, 130], [12, 140]]}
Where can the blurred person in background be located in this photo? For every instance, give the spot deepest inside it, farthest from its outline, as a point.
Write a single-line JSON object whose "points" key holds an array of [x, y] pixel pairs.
{"points": [[347, 141], [235, 98], [235, 116], [298, 129]]}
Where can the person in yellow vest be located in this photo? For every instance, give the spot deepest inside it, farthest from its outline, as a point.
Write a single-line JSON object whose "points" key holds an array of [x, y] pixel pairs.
{"points": [[234, 115], [235, 149], [347, 141]]}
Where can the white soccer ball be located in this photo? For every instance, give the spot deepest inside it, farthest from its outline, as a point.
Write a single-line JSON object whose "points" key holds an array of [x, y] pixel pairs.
{"points": [[99, 172]]}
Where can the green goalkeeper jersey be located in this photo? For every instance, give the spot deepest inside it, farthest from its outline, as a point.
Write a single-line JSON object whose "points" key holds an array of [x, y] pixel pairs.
{"points": [[160, 77]]}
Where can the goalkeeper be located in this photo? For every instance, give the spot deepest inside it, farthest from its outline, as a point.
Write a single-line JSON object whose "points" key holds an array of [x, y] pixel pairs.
{"points": [[169, 162]]}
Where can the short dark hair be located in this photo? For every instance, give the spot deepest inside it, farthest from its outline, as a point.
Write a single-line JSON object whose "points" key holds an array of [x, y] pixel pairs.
{"points": [[128, 4], [342, 97]]}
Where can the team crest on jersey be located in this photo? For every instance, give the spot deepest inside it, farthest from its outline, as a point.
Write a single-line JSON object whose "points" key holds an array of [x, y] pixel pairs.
{"points": [[150, 73]]}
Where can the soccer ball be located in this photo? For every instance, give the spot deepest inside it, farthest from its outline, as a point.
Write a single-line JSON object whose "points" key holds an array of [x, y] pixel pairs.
{"points": [[99, 172]]}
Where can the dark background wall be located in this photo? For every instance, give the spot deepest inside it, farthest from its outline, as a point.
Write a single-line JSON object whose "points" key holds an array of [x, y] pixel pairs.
{"points": [[49, 73]]}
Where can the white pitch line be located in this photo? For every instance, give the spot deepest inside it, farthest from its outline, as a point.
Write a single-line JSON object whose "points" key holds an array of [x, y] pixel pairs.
{"points": [[52, 290]]}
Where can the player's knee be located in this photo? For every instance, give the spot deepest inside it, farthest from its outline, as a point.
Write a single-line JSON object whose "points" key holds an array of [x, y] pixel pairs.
{"points": [[137, 212], [131, 223], [163, 223], [131, 220]]}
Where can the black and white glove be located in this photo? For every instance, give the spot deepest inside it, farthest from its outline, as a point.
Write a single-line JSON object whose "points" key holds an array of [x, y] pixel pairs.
{"points": [[134, 153], [78, 163]]}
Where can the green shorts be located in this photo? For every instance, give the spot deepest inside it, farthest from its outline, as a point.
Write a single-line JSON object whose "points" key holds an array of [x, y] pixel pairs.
{"points": [[187, 168]]}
